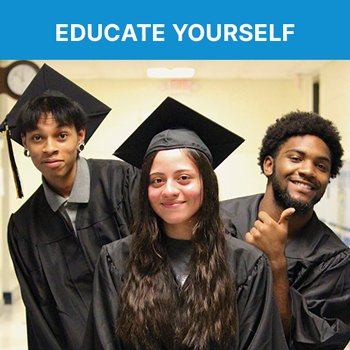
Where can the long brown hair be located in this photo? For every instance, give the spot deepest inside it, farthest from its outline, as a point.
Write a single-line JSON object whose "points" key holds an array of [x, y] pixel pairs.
{"points": [[155, 313]]}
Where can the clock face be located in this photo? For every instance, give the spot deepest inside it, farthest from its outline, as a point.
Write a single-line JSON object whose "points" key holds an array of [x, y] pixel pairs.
{"points": [[19, 78]]}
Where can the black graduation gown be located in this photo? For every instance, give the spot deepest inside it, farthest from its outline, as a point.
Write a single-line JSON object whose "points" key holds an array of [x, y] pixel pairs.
{"points": [[54, 267], [259, 323], [318, 273]]}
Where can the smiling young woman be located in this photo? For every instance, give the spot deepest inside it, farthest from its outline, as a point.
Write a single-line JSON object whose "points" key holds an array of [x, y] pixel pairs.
{"points": [[179, 281]]}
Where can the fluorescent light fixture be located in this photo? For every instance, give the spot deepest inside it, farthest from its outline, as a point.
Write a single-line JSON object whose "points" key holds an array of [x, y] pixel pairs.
{"points": [[170, 73]]}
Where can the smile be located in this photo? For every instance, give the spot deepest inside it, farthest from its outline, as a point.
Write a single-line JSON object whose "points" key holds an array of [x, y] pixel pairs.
{"points": [[171, 204], [304, 185]]}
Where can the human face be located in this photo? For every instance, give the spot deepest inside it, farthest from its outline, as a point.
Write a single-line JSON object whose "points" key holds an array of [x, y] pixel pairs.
{"points": [[175, 191], [53, 150], [300, 172]]}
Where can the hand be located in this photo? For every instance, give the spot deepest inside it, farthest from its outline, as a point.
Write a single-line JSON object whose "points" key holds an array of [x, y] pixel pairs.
{"points": [[270, 236]]}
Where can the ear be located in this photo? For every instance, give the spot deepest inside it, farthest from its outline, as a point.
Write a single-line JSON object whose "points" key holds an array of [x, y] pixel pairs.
{"points": [[268, 166], [81, 135]]}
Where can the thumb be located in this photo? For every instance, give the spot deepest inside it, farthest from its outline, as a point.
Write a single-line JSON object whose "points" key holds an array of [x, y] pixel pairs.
{"points": [[285, 216]]}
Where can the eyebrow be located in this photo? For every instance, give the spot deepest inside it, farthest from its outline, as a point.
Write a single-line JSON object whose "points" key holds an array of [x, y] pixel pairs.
{"points": [[296, 150], [57, 127], [176, 172]]}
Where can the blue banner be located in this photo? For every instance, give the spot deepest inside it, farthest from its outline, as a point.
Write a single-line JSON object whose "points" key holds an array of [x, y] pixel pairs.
{"points": [[174, 30]]}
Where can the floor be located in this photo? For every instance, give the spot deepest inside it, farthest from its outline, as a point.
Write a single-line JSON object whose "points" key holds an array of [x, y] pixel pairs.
{"points": [[13, 327]]}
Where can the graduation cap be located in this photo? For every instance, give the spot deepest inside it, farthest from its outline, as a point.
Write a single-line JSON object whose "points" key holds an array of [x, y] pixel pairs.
{"points": [[174, 125], [47, 79]]}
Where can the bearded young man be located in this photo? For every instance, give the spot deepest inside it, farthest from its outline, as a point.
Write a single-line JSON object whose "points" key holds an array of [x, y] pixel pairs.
{"points": [[299, 155]]}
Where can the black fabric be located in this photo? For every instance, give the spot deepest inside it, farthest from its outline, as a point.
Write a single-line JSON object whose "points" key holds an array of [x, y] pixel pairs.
{"points": [[47, 79], [171, 114], [54, 267], [178, 138], [179, 254], [318, 273], [259, 324]]}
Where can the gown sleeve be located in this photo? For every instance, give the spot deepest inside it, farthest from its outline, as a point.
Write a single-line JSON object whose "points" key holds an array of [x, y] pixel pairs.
{"points": [[260, 326], [132, 191], [321, 305], [44, 329], [125, 210], [100, 334]]}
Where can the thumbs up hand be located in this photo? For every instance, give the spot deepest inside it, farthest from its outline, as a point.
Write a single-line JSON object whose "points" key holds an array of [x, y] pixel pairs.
{"points": [[270, 236]]}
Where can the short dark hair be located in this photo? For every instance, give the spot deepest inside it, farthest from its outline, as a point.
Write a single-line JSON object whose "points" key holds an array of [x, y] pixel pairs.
{"points": [[64, 110], [298, 123]]}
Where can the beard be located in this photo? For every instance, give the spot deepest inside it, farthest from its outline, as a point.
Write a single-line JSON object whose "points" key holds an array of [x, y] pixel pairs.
{"points": [[285, 200]]}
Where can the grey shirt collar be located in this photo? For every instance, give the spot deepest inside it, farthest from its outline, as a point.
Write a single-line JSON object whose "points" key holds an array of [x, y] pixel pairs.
{"points": [[80, 191]]}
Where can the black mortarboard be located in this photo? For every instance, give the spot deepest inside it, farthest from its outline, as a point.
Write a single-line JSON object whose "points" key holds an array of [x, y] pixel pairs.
{"points": [[174, 125], [47, 79]]}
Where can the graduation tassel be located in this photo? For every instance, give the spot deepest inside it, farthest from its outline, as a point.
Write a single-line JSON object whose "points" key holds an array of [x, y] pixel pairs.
{"points": [[13, 161]]}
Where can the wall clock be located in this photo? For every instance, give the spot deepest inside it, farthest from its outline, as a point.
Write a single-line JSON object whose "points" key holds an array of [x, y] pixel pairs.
{"points": [[16, 77]]}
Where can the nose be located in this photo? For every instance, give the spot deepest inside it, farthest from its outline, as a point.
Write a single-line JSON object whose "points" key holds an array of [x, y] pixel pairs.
{"points": [[307, 168], [50, 146], [170, 189]]}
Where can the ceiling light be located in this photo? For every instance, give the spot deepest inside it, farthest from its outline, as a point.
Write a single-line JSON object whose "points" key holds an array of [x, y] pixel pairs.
{"points": [[170, 73]]}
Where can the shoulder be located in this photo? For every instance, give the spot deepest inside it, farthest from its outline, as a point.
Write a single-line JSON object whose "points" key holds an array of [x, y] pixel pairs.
{"points": [[332, 238], [112, 174], [331, 246], [245, 259], [117, 251], [240, 203], [33, 203], [239, 214], [316, 243], [29, 215], [317, 254], [108, 165]]}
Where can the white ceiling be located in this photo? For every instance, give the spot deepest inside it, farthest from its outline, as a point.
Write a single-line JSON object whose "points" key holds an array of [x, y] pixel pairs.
{"points": [[136, 69]]}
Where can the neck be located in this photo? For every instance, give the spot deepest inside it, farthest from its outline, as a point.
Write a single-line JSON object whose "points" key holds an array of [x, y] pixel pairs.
{"points": [[296, 222], [63, 185], [179, 231]]}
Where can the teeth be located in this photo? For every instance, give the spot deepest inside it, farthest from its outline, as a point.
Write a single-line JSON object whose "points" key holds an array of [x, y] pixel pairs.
{"points": [[308, 187]]}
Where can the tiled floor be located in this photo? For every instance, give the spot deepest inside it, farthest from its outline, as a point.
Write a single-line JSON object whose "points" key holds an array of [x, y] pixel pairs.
{"points": [[13, 327]]}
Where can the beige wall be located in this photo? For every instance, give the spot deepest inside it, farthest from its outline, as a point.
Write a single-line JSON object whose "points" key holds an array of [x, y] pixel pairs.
{"points": [[245, 106], [335, 97], [335, 104]]}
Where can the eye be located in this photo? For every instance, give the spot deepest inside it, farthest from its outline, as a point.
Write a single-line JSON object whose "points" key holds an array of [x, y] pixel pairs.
{"points": [[295, 159], [156, 181], [184, 178], [62, 136], [36, 138], [323, 167]]}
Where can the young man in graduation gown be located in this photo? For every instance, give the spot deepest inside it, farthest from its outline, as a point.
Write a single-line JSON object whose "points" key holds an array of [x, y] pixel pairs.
{"points": [[82, 204], [311, 265]]}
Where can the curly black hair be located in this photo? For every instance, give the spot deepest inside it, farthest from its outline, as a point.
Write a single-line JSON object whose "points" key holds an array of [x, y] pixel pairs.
{"points": [[302, 123]]}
